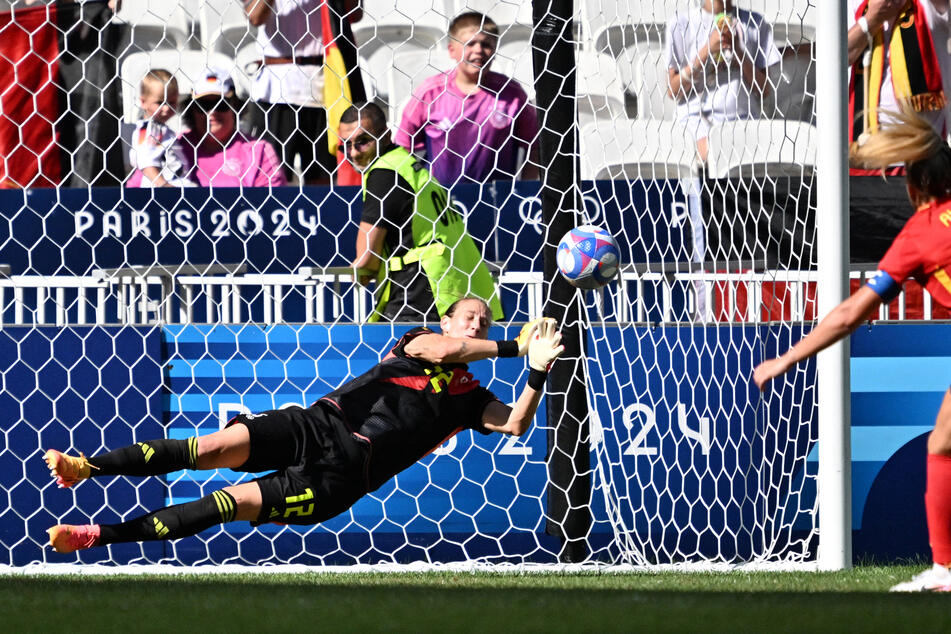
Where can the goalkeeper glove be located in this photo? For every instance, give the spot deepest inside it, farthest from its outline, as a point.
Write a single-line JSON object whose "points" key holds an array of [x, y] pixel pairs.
{"points": [[545, 346], [518, 347]]}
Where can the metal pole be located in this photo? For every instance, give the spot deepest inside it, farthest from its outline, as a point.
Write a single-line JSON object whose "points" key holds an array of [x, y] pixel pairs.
{"points": [[569, 464], [832, 229]]}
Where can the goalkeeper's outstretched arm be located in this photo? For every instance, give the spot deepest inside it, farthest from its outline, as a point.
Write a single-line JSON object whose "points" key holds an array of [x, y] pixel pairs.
{"points": [[543, 348]]}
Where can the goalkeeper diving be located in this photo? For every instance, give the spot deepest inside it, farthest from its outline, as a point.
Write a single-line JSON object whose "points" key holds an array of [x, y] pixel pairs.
{"points": [[325, 457]]}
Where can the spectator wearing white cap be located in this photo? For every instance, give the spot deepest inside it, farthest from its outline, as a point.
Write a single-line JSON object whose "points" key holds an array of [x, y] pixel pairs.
{"points": [[216, 153]]}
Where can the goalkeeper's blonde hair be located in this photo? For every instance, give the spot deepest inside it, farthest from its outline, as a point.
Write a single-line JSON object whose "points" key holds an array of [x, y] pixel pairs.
{"points": [[906, 137]]}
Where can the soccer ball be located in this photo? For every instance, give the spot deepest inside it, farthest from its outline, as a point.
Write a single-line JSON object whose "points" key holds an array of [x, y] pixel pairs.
{"points": [[588, 257]]}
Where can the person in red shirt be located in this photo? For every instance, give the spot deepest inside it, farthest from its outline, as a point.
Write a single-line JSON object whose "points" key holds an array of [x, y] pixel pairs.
{"points": [[922, 250]]}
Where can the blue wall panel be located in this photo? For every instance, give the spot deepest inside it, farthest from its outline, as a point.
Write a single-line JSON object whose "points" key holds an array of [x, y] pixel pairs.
{"points": [[75, 389]]}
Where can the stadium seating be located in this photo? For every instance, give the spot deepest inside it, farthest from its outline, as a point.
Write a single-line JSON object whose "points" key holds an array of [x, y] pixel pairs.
{"points": [[155, 24], [224, 26], [625, 148], [644, 74], [407, 72], [794, 89], [513, 17], [761, 148], [599, 88], [610, 26], [793, 21], [396, 22]]}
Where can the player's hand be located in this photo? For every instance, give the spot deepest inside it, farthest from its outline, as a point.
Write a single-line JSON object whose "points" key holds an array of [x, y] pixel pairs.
{"points": [[881, 11], [545, 345], [525, 336], [769, 370]]}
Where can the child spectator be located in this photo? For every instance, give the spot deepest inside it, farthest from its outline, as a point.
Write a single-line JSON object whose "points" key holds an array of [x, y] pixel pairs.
{"points": [[156, 153], [470, 124]]}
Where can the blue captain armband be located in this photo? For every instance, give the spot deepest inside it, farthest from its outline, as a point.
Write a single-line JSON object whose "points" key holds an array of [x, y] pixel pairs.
{"points": [[884, 286]]}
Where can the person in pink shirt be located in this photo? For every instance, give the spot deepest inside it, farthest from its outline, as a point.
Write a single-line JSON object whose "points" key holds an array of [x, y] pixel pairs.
{"points": [[217, 154], [471, 124]]}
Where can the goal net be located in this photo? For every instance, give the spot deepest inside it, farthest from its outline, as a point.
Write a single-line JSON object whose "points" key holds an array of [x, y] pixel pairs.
{"points": [[133, 313]]}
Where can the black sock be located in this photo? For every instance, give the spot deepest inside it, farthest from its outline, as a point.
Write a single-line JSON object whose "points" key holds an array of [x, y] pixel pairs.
{"points": [[154, 457], [173, 522]]}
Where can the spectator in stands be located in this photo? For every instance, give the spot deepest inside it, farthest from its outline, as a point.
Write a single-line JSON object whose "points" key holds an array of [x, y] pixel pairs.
{"points": [[156, 152], [875, 71], [287, 91], [471, 124], [216, 153], [410, 239], [717, 58]]}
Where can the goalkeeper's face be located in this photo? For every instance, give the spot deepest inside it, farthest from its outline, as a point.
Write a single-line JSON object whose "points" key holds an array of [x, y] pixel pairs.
{"points": [[469, 320]]}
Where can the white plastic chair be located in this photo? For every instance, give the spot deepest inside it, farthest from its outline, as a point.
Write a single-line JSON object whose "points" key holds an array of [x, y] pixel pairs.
{"points": [[794, 89], [636, 148], [395, 22], [408, 71], [647, 81], [377, 68], [761, 148], [224, 26], [792, 20], [610, 26], [600, 88], [155, 24]]}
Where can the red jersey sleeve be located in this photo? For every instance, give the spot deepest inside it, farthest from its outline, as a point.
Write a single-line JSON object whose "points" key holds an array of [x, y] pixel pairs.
{"points": [[902, 261]]}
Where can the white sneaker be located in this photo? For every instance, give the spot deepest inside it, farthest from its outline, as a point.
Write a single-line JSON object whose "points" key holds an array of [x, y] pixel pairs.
{"points": [[934, 579]]}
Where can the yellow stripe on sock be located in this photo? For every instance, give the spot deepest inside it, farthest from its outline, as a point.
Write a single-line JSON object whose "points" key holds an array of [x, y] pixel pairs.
{"points": [[218, 502], [148, 451], [193, 451], [225, 506]]}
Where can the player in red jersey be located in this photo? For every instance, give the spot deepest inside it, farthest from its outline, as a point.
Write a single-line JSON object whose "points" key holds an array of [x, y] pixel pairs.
{"points": [[922, 250], [327, 456]]}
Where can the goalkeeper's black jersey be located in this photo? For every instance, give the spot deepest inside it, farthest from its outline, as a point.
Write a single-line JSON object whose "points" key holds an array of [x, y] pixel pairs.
{"points": [[405, 408]]}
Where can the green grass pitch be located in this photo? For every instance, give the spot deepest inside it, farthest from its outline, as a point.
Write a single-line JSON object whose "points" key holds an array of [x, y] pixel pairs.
{"points": [[854, 600]]}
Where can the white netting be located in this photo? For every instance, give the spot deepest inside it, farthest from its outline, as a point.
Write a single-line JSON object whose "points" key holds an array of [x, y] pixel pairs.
{"points": [[130, 314]]}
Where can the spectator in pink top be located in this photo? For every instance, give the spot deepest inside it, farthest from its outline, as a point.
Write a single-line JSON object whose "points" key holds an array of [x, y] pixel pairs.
{"points": [[471, 124], [217, 154]]}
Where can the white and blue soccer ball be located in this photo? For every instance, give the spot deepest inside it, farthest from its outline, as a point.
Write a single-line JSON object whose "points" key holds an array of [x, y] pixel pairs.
{"points": [[588, 257]]}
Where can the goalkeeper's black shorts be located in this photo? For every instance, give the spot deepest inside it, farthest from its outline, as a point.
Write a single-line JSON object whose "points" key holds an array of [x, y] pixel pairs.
{"points": [[320, 471]]}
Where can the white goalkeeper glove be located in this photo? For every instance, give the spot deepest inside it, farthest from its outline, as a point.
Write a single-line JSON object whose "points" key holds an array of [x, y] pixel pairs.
{"points": [[545, 345]]}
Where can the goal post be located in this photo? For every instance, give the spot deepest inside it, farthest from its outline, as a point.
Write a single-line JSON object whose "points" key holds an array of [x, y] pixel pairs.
{"points": [[569, 465], [835, 480]]}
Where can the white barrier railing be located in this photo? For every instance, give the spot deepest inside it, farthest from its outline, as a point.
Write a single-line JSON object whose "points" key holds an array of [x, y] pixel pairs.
{"points": [[226, 294]]}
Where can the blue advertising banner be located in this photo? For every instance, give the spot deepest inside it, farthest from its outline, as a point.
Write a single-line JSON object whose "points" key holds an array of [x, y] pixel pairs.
{"points": [[474, 496], [900, 373], [706, 451], [76, 389], [74, 231]]}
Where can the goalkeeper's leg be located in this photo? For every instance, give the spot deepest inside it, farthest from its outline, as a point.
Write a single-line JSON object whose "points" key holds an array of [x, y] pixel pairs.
{"points": [[228, 448], [241, 502]]}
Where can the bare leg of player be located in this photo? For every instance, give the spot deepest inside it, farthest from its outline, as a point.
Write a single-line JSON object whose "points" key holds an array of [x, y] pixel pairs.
{"points": [[225, 449]]}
